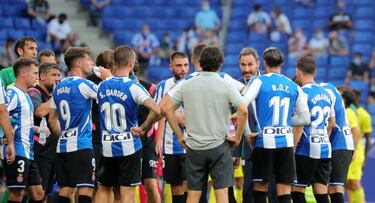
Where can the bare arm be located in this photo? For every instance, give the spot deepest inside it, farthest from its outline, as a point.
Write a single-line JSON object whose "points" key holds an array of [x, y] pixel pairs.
{"points": [[168, 108], [43, 109], [356, 136], [241, 122], [54, 122], [368, 143], [297, 132], [180, 116], [5, 123], [153, 116]]}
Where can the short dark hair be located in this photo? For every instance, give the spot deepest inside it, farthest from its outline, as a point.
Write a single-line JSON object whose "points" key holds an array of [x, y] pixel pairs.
{"points": [[21, 43], [307, 65], [106, 59], [348, 95], [177, 54], [74, 53], [46, 67], [22, 63], [197, 51], [249, 51], [211, 59], [45, 52], [273, 57], [123, 54]]}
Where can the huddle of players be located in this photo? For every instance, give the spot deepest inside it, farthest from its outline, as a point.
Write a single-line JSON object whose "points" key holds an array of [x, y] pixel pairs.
{"points": [[316, 153]]}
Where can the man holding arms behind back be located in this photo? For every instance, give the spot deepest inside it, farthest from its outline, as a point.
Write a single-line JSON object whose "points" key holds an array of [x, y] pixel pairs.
{"points": [[207, 126]]}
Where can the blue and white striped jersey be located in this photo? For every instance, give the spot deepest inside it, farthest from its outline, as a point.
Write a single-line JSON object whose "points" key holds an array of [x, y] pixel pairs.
{"points": [[314, 142], [21, 110], [118, 99], [170, 141], [72, 98], [341, 136], [274, 98]]}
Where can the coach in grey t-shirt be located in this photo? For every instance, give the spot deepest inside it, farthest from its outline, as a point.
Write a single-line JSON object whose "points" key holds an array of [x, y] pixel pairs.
{"points": [[207, 99]]}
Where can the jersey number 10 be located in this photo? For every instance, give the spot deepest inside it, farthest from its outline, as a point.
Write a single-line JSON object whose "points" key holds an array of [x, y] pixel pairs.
{"points": [[114, 116]]}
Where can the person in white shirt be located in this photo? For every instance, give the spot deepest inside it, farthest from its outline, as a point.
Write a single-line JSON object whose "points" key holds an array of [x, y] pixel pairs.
{"points": [[281, 21], [258, 20], [59, 28], [319, 44]]}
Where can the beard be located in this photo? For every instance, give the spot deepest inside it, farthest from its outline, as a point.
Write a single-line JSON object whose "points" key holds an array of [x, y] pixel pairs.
{"points": [[49, 87]]}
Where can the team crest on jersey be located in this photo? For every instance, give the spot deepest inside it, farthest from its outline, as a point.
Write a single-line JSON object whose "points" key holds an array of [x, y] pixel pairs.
{"points": [[20, 178]]}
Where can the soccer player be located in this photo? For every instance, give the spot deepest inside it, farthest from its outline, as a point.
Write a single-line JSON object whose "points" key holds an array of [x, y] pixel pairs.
{"points": [[23, 173], [207, 99], [25, 47], [71, 119], [279, 104], [118, 99], [40, 95], [313, 151], [355, 115], [167, 142], [342, 145]]}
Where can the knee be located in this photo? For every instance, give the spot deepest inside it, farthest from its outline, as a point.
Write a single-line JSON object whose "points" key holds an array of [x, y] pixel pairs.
{"points": [[177, 190], [261, 186], [354, 185], [66, 191], [87, 191], [16, 194]]}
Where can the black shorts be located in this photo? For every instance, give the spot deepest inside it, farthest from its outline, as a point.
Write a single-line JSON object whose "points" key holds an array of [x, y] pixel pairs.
{"points": [[274, 161], [340, 162], [76, 169], [216, 162], [121, 171], [21, 173], [174, 171], [149, 163], [47, 170], [311, 170]]}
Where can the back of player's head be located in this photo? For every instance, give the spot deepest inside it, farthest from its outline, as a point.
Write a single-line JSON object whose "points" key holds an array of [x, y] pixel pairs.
{"points": [[273, 57], [46, 67], [74, 53], [307, 65], [106, 59], [123, 55], [23, 63], [45, 52], [211, 59], [20, 44], [357, 94], [348, 95], [197, 51], [177, 54], [249, 51]]}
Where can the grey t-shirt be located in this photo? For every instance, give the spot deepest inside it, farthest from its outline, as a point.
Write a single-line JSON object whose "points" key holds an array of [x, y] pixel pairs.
{"points": [[207, 99]]}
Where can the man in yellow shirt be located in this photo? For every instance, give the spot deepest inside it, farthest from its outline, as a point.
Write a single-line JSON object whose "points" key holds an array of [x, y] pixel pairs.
{"points": [[359, 120]]}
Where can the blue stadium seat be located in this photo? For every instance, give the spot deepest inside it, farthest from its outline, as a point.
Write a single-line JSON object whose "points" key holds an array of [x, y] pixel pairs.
{"points": [[231, 60], [302, 13], [237, 25], [321, 73], [85, 3], [290, 72], [22, 23], [240, 13], [363, 48], [366, 11], [16, 34], [37, 26], [303, 24], [321, 61], [292, 62], [39, 35], [3, 35], [364, 37], [282, 2], [325, 2], [236, 36], [14, 9], [336, 82], [6, 23], [341, 61], [44, 45], [365, 25], [320, 23], [234, 48], [365, 3], [258, 38], [323, 12], [157, 73], [336, 74], [371, 109], [107, 24]]}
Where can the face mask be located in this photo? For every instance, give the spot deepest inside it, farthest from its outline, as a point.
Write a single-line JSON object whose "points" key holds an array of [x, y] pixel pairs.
{"points": [[319, 35], [206, 7], [61, 21], [145, 32], [357, 61], [191, 34]]}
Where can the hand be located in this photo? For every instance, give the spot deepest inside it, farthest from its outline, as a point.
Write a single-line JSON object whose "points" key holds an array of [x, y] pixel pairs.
{"points": [[137, 131], [236, 162], [182, 142], [10, 153], [159, 147], [234, 142], [48, 132], [104, 73]]}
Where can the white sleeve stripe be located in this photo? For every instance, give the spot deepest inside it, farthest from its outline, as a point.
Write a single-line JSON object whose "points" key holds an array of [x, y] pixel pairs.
{"points": [[12, 103], [252, 91], [87, 91], [2, 98], [139, 95]]}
